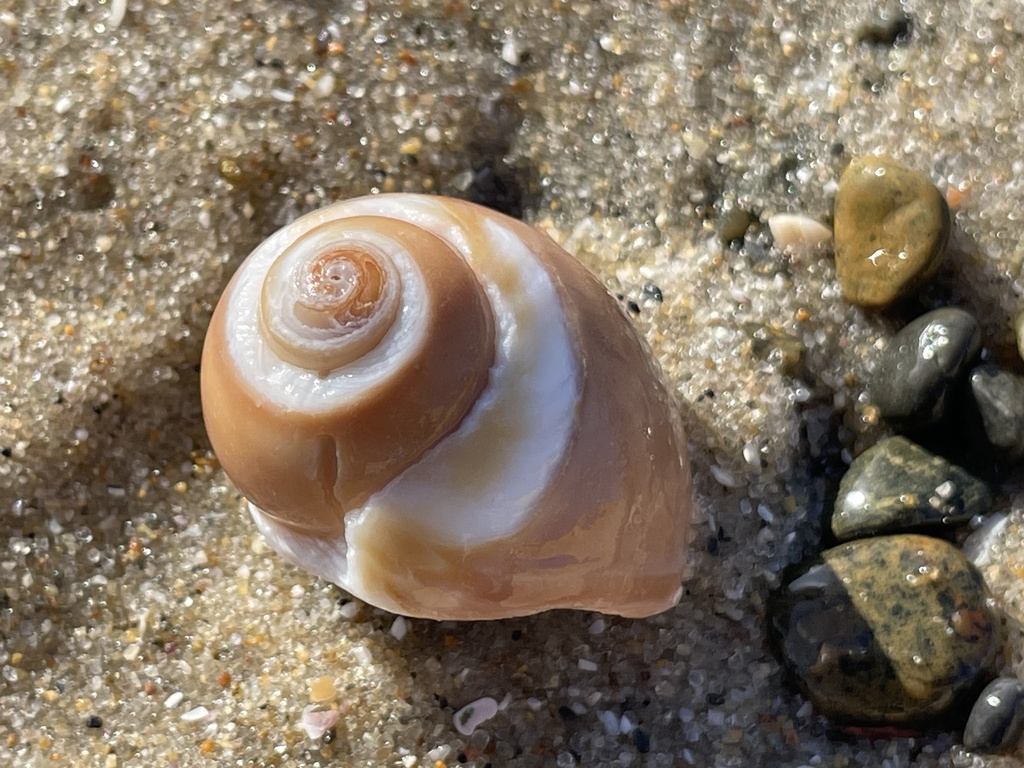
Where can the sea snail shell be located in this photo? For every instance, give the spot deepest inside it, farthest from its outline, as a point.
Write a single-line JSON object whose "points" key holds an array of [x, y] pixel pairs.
{"points": [[435, 407]]}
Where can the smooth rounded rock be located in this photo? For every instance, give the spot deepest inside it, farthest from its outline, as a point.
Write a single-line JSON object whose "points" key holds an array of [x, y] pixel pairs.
{"points": [[997, 718], [922, 364], [894, 629], [898, 486], [891, 230], [999, 395]]}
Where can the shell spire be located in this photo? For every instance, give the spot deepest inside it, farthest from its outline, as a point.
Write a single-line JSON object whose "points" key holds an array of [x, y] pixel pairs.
{"points": [[438, 409]]}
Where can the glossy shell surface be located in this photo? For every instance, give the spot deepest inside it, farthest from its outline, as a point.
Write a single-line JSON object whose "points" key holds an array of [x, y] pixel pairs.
{"points": [[437, 408]]}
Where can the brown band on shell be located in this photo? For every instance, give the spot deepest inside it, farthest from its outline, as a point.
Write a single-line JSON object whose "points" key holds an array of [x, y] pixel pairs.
{"points": [[306, 470]]}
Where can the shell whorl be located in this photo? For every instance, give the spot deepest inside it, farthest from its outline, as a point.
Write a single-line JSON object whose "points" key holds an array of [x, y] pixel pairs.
{"points": [[440, 410], [330, 298]]}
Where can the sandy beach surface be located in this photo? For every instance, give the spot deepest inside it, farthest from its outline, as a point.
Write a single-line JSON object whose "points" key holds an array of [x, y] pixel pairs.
{"points": [[146, 146]]}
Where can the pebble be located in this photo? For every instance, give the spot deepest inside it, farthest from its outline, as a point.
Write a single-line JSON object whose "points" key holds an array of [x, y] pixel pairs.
{"points": [[733, 223], [322, 689], [891, 230], [888, 630], [922, 364], [997, 718], [897, 485], [999, 395]]}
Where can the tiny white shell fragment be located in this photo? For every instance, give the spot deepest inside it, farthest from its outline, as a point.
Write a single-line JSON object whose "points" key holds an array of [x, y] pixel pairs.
{"points": [[195, 714], [174, 700], [471, 716], [318, 722], [587, 665], [795, 232]]}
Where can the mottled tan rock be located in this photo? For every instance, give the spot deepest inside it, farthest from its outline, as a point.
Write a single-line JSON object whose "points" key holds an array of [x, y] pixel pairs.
{"points": [[894, 629], [891, 230]]}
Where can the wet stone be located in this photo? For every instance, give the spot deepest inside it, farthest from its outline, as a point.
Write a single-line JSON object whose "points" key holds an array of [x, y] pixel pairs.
{"points": [[999, 395], [922, 364], [777, 347], [733, 223], [891, 230], [997, 718], [898, 486], [894, 629]]}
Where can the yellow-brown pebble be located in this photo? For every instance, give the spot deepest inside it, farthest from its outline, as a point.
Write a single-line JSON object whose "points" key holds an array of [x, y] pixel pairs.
{"points": [[891, 229]]}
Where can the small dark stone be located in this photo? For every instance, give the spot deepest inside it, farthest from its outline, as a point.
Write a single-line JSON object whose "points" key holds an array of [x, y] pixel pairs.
{"points": [[887, 32], [897, 486], [715, 699], [923, 364], [652, 291], [1000, 398], [93, 721], [997, 718], [495, 186], [566, 714], [889, 630], [733, 223], [642, 741]]}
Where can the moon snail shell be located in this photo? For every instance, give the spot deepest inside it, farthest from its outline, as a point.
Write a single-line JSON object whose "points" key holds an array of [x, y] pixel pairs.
{"points": [[435, 407]]}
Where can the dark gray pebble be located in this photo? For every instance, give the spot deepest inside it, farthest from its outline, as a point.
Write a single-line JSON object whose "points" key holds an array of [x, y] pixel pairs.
{"points": [[997, 718], [1000, 398], [923, 364], [889, 630], [898, 486]]}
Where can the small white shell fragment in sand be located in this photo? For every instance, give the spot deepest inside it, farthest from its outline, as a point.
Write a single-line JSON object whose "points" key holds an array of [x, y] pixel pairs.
{"points": [[195, 714], [471, 716], [795, 232], [318, 722], [174, 700]]}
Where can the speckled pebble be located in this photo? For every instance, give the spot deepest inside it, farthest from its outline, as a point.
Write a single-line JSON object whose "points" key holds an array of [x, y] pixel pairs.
{"points": [[897, 485], [891, 230], [997, 718], [894, 629], [922, 364], [999, 395]]}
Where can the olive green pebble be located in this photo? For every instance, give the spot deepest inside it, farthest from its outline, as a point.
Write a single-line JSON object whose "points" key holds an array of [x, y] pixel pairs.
{"points": [[891, 230], [894, 629], [897, 485]]}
